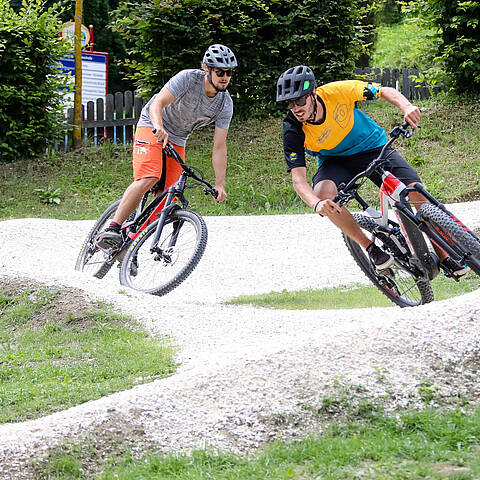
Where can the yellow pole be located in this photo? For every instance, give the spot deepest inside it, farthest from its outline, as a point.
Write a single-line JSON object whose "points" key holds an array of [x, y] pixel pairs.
{"points": [[77, 99]]}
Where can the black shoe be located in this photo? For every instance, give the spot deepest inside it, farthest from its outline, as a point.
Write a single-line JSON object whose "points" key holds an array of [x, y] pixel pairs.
{"points": [[108, 239], [380, 259], [457, 270]]}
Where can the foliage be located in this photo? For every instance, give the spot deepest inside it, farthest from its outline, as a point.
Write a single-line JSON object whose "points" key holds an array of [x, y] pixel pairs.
{"points": [[266, 36], [30, 100], [49, 196], [445, 151], [58, 350], [98, 13], [458, 23], [350, 296], [404, 45], [389, 12], [435, 443]]}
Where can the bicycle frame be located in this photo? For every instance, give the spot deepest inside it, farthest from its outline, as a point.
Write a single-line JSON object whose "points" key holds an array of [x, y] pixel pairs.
{"points": [[161, 206], [394, 194]]}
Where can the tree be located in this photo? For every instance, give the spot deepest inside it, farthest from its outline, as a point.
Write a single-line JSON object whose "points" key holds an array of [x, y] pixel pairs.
{"points": [[98, 13], [267, 37], [458, 23], [31, 110]]}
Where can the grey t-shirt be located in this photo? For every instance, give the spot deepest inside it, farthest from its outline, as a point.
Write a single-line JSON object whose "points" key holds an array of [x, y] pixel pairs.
{"points": [[192, 108]]}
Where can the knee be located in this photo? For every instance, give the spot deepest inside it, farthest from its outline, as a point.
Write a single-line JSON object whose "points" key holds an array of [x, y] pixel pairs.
{"points": [[145, 184], [326, 189]]}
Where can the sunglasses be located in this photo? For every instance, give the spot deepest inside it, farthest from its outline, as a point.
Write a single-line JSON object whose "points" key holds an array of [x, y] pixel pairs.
{"points": [[300, 102], [221, 73]]}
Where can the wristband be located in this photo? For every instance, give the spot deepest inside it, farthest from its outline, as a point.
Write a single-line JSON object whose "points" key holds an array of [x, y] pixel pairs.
{"points": [[315, 207]]}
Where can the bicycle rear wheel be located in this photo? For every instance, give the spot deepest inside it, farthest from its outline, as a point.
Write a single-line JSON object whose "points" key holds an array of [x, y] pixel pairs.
{"points": [[182, 243], [455, 234], [397, 283], [92, 259]]}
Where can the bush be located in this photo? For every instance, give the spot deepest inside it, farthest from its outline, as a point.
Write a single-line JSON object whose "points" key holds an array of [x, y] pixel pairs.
{"points": [[459, 48], [30, 100], [267, 37]]}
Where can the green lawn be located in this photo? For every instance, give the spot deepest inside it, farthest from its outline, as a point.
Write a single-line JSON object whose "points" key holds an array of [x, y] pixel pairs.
{"points": [[350, 296], [445, 152], [57, 351]]}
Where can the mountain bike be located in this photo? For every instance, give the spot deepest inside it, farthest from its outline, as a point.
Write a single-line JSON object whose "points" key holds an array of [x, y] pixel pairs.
{"points": [[406, 234], [162, 241]]}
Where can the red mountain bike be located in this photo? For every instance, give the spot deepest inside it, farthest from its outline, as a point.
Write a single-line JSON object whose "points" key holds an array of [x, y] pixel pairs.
{"points": [[162, 241], [407, 282]]}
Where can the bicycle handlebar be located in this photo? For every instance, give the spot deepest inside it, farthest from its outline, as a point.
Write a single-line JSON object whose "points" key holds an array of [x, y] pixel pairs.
{"points": [[400, 130], [171, 152]]}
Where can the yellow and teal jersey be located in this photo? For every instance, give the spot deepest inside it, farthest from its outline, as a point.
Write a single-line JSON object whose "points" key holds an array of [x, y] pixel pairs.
{"points": [[344, 131]]}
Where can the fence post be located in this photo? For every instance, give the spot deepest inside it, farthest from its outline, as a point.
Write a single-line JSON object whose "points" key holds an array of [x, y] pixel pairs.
{"points": [[386, 77], [109, 108], [128, 114], [406, 83], [119, 114], [90, 118], [100, 117]]}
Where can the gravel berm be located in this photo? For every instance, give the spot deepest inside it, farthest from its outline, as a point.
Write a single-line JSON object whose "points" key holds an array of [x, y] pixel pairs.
{"points": [[248, 375]]}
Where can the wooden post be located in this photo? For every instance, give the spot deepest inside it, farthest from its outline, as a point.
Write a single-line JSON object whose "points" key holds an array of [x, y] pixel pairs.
{"points": [[77, 99]]}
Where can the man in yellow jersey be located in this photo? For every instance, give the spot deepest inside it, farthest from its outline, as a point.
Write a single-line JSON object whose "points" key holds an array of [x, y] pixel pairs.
{"points": [[325, 123]]}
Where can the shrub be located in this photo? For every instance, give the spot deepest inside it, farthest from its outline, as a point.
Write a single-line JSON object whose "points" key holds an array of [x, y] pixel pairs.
{"points": [[30, 100], [458, 23], [267, 37]]}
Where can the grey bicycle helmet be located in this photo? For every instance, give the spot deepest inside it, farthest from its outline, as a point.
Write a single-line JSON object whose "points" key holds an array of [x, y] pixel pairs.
{"points": [[295, 83], [219, 56]]}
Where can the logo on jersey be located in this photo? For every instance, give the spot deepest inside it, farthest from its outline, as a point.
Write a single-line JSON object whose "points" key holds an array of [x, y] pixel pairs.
{"points": [[324, 135], [341, 114]]}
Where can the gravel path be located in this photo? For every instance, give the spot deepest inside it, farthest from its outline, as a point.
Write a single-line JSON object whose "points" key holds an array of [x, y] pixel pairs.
{"points": [[248, 374]]}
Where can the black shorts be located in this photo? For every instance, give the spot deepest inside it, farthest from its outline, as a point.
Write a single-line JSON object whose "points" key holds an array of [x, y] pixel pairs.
{"points": [[343, 169]]}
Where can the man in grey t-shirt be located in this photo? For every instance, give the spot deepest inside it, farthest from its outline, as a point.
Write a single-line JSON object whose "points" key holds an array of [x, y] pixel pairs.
{"points": [[189, 100]]}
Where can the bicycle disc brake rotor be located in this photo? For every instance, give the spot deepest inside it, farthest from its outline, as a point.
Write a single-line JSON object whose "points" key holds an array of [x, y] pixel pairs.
{"points": [[168, 256]]}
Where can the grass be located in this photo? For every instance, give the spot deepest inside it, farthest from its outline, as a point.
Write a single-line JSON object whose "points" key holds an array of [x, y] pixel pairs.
{"points": [[403, 45], [80, 185], [57, 351], [349, 296], [430, 444]]}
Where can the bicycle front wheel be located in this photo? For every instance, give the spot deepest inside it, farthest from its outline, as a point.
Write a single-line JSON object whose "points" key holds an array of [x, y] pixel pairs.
{"points": [[461, 239], [92, 259], [181, 245], [396, 282]]}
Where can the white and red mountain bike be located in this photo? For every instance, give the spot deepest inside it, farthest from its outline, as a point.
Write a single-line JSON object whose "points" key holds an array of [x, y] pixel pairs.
{"points": [[404, 235]]}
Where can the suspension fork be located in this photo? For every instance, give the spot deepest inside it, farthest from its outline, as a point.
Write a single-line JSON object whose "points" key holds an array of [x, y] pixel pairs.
{"points": [[177, 189], [169, 205]]}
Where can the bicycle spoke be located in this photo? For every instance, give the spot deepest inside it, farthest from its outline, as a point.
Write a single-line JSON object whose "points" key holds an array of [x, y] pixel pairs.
{"points": [[159, 271]]}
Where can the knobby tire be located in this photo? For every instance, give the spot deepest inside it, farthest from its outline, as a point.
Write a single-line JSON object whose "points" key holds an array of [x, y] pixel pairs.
{"points": [[453, 233], [91, 259], [418, 291], [156, 273]]}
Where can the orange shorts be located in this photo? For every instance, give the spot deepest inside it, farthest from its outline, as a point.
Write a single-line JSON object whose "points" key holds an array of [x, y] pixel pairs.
{"points": [[149, 161]]}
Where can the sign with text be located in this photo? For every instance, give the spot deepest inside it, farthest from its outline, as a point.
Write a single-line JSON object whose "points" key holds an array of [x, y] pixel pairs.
{"points": [[94, 76]]}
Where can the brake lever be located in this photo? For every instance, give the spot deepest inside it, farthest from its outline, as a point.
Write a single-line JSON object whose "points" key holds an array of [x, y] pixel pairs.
{"points": [[211, 191]]}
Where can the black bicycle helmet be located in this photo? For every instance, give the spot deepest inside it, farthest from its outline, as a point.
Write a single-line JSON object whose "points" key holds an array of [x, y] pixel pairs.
{"points": [[295, 83], [219, 56]]}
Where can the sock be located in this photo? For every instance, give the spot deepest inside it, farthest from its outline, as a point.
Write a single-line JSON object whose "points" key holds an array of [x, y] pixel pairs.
{"points": [[114, 226]]}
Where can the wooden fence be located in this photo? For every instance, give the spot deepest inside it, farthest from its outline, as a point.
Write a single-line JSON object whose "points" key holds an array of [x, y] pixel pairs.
{"points": [[115, 119], [400, 79]]}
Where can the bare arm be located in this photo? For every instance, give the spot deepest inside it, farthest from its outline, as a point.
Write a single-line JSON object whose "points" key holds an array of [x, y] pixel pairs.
{"points": [[411, 113], [163, 98], [219, 161], [306, 193]]}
